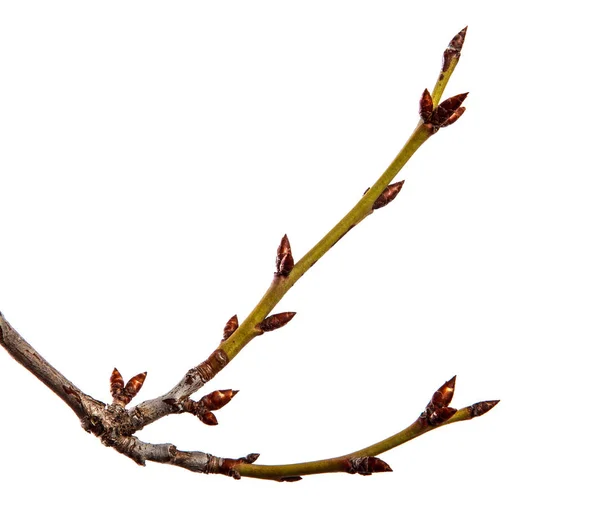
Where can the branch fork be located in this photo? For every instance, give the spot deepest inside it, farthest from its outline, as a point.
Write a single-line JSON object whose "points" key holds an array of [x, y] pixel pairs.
{"points": [[115, 424]]}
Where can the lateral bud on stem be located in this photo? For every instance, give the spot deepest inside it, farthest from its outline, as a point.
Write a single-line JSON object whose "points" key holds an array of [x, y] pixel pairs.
{"points": [[121, 393], [230, 327], [285, 261], [275, 321], [217, 399], [389, 194], [366, 465], [446, 113], [227, 466]]}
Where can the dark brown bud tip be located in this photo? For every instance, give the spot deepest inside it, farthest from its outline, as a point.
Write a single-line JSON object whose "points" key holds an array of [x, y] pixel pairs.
{"points": [[208, 417], [440, 416], [230, 327], [389, 194], [132, 388], [454, 48], [443, 396], [217, 399], [284, 262], [426, 106], [116, 383], [481, 408], [275, 322], [250, 458], [289, 479], [366, 465]]}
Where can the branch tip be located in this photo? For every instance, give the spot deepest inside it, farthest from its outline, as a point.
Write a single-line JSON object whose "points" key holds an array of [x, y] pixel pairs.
{"points": [[481, 408], [452, 52]]}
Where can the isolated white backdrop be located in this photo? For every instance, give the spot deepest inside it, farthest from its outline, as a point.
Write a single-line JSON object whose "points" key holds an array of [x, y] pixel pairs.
{"points": [[153, 154]]}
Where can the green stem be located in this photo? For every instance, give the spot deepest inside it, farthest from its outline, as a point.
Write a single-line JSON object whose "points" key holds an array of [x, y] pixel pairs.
{"points": [[280, 285]]}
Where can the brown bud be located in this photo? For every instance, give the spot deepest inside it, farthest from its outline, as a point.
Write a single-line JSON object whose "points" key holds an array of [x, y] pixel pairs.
{"points": [[208, 417], [426, 106], [440, 415], [117, 383], [230, 327], [289, 478], [217, 399], [454, 117], [249, 459], [482, 407], [454, 48], [389, 194], [275, 322], [132, 388], [285, 261], [366, 465], [444, 111], [443, 396]]}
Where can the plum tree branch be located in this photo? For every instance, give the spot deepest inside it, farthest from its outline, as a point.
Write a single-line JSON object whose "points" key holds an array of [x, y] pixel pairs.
{"points": [[115, 425]]}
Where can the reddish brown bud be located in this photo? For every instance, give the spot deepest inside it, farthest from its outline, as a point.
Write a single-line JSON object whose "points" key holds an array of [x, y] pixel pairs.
{"points": [[275, 322], [482, 407], [443, 396], [117, 384], [426, 106], [217, 399], [132, 388], [249, 459], [447, 107], [208, 417], [367, 465], [454, 117], [440, 415], [230, 327], [389, 194], [454, 48], [284, 262]]}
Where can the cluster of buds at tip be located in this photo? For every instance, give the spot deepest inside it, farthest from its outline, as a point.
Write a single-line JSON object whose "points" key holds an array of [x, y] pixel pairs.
{"points": [[389, 194], [230, 327], [275, 321], [452, 52], [122, 393], [446, 113], [285, 261], [366, 465], [437, 411]]}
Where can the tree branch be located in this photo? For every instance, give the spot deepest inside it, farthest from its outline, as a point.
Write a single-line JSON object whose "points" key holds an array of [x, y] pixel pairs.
{"points": [[115, 425]]}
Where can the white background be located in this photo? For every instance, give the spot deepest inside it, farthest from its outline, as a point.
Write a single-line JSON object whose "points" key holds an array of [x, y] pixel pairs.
{"points": [[152, 154]]}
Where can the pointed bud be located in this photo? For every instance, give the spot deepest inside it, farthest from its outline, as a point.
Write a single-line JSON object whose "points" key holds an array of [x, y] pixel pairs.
{"points": [[426, 106], [284, 262], [117, 384], [208, 417], [217, 399], [481, 408], [453, 50], [389, 194], [289, 479], [275, 322], [454, 117], [440, 415], [230, 327], [250, 458], [367, 465], [444, 111], [132, 388], [443, 396]]}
